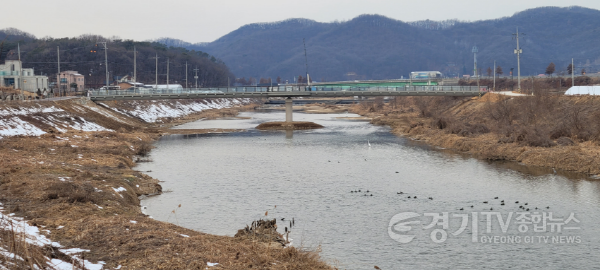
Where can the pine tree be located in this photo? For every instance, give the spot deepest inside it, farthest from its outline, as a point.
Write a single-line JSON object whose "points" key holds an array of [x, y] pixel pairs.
{"points": [[570, 69], [550, 69]]}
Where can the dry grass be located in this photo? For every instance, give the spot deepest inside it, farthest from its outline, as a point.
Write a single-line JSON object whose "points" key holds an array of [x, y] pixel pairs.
{"points": [[23, 255], [66, 183], [544, 130]]}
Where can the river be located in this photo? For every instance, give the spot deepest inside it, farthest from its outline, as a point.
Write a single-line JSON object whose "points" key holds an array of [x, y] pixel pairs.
{"points": [[225, 181]]}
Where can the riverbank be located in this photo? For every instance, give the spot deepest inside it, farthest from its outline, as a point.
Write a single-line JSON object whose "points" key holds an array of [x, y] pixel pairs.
{"points": [[68, 175], [544, 131]]}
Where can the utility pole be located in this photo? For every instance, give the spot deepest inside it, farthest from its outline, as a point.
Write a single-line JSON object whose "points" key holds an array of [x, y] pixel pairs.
{"points": [[186, 83], [58, 74], [196, 77], [167, 73], [105, 61], [518, 52], [156, 73], [134, 67], [494, 75], [572, 73], [20, 69], [306, 61], [475, 51]]}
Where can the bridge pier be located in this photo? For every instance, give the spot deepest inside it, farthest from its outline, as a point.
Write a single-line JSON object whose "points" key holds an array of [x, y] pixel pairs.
{"points": [[288, 110]]}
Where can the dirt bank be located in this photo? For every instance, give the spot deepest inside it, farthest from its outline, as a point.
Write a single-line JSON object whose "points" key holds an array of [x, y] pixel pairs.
{"points": [[546, 131], [70, 176]]}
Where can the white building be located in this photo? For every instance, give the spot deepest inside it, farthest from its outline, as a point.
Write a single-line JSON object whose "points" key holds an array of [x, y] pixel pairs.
{"points": [[13, 74], [166, 86], [583, 90]]}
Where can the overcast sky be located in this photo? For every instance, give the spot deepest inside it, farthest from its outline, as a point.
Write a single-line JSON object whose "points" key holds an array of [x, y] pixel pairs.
{"points": [[207, 20]]}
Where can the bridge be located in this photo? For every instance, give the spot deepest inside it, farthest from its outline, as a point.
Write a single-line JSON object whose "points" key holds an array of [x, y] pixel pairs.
{"points": [[286, 91]]}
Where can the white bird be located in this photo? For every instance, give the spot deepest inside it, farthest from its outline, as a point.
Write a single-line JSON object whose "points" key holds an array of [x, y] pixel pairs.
{"points": [[368, 143]]}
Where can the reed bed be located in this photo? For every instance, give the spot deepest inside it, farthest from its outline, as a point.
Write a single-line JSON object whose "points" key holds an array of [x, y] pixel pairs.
{"points": [[544, 130]]}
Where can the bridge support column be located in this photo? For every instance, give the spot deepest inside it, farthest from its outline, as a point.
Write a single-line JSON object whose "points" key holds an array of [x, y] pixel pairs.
{"points": [[288, 110]]}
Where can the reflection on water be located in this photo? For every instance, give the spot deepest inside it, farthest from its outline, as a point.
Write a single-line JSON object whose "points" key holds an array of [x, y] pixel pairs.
{"points": [[224, 181]]}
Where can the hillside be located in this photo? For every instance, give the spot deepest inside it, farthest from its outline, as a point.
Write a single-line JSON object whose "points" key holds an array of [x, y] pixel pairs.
{"points": [[85, 55], [377, 47]]}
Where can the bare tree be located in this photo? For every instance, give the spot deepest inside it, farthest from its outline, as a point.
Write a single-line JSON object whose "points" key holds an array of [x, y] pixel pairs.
{"points": [[499, 70]]}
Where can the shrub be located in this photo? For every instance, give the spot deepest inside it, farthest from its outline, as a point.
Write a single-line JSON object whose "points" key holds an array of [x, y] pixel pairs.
{"points": [[143, 149], [535, 137], [72, 192], [565, 141]]}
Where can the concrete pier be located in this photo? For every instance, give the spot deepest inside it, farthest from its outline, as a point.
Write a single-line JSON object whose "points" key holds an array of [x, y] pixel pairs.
{"points": [[288, 110]]}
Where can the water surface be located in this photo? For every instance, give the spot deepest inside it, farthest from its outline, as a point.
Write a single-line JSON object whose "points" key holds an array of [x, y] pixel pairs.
{"points": [[225, 181]]}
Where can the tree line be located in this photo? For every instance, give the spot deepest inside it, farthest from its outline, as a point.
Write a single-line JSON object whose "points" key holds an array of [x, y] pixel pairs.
{"points": [[85, 54]]}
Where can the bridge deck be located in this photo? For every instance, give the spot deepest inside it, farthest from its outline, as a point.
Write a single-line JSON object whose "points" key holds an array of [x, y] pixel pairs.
{"points": [[247, 92]]}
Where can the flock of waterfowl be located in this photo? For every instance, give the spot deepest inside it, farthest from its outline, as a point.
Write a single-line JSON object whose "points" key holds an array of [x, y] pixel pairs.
{"points": [[523, 206], [367, 193]]}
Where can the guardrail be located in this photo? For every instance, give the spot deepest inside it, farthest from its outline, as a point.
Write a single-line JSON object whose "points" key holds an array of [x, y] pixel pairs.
{"points": [[276, 89]]}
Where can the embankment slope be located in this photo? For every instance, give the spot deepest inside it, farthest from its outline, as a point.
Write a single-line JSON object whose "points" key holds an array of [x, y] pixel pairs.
{"points": [[546, 131], [67, 176]]}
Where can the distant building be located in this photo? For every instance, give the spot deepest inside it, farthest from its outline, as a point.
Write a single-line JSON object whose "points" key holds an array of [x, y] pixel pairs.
{"points": [[127, 82], [13, 74], [425, 75], [583, 90], [70, 81], [167, 86], [127, 85]]}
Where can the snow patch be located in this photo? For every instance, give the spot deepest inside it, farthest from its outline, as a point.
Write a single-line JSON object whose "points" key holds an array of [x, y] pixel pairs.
{"points": [[154, 111], [120, 189], [73, 250], [27, 111], [14, 126], [31, 234]]}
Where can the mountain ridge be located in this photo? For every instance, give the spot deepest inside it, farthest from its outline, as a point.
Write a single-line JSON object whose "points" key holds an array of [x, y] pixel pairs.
{"points": [[378, 47]]}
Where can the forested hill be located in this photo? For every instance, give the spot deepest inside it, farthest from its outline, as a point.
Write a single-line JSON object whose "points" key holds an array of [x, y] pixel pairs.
{"points": [[377, 47], [85, 55]]}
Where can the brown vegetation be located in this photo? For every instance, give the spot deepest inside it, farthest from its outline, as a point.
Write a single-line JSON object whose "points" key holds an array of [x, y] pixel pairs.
{"points": [[27, 256], [530, 85], [541, 130], [81, 187]]}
